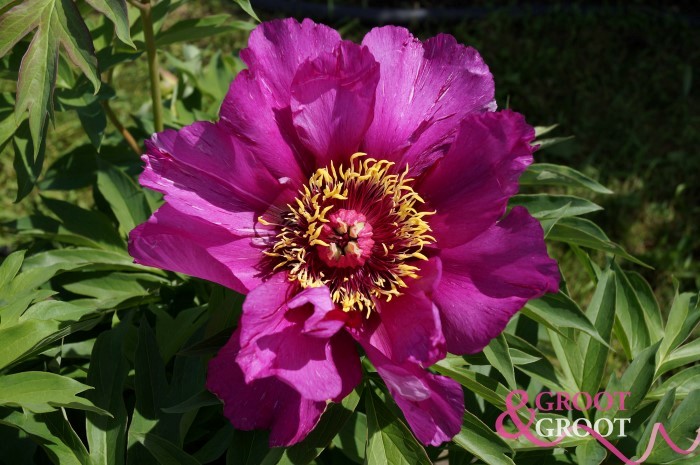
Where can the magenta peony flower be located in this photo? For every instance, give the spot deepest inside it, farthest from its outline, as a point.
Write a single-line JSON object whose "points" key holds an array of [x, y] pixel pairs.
{"points": [[356, 194]]}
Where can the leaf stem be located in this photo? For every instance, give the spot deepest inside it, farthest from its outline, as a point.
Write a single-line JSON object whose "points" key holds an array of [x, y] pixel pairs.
{"points": [[121, 128], [153, 71]]}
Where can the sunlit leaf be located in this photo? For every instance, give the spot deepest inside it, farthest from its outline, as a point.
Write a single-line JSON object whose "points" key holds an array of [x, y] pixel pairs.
{"points": [[42, 392], [683, 382], [683, 355], [682, 427], [601, 311], [352, 438], [659, 415], [478, 439], [636, 380], [30, 336], [591, 453], [245, 5], [684, 316], [9, 268], [547, 206], [57, 24], [546, 174], [630, 324], [585, 233], [390, 441], [127, 201], [560, 311], [116, 11], [499, 357]]}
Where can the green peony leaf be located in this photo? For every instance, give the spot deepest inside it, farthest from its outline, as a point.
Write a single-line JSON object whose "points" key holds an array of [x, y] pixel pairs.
{"points": [[538, 366], [53, 432], [203, 398], [352, 438], [497, 354], [216, 446], [682, 382], [57, 24], [584, 233], [546, 174], [591, 453], [682, 319], [191, 30], [636, 380], [73, 170], [127, 201], [94, 121], [164, 451], [557, 311], [330, 423], [549, 206], [631, 326], [116, 11], [252, 448], [89, 224], [390, 441], [601, 311], [42, 392], [683, 355], [29, 158], [32, 336], [659, 415], [8, 126], [245, 5], [682, 427], [478, 439], [107, 435], [9, 268]]}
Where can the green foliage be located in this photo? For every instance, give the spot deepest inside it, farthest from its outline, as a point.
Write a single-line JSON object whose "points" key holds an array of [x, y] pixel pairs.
{"points": [[389, 439], [58, 24], [103, 361]]}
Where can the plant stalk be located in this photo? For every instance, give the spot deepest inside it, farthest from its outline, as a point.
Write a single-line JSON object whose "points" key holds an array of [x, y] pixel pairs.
{"points": [[121, 128], [153, 70]]}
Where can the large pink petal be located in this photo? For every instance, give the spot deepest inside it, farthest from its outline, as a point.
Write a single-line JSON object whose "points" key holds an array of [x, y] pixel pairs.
{"points": [[333, 100], [257, 106], [277, 48], [488, 279], [424, 91], [432, 404], [469, 188], [267, 131], [266, 403], [204, 172], [278, 340], [408, 328], [172, 240]]}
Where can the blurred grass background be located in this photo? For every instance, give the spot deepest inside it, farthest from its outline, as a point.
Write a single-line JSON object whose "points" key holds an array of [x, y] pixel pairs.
{"points": [[620, 77]]}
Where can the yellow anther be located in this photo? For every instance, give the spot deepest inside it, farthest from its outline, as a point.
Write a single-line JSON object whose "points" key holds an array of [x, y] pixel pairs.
{"points": [[364, 183]]}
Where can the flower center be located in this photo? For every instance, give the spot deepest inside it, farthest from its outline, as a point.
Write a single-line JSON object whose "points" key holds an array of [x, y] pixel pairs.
{"points": [[357, 230], [349, 239]]}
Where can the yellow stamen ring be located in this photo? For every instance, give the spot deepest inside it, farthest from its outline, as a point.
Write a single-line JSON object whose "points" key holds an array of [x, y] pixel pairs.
{"points": [[357, 230]]}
